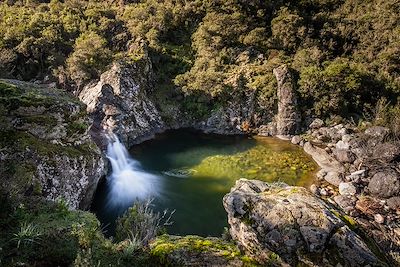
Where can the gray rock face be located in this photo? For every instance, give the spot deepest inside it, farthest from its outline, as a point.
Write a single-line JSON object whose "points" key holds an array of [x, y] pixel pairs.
{"points": [[288, 117], [267, 130], [238, 116], [224, 121], [48, 151], [385, 184], [293, 223], [118, 103], [324, 160]]}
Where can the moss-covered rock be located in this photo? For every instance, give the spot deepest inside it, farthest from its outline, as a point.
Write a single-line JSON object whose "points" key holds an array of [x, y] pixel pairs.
{"points": [[45, 146], [197, 251]]}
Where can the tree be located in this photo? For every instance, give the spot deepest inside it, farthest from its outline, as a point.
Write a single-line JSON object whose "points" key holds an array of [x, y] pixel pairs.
{"points": [[89, 59]]}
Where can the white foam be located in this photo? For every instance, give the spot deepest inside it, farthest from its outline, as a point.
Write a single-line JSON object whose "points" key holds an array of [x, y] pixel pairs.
{"points": [[128, 182]]}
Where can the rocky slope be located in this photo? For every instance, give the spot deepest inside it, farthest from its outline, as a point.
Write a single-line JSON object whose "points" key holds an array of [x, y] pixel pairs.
{"points": [[45, 146], [360, 176]]}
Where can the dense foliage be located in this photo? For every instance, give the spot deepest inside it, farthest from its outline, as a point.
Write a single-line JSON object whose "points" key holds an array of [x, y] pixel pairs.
{"points": [[346, 52]]}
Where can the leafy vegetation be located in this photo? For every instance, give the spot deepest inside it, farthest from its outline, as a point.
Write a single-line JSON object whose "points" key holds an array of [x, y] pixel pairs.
{"points": [[345, 52], [140, 224]]}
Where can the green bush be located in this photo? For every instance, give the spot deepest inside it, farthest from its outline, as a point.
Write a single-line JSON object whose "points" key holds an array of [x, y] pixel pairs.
{"points": [[89, 59], [339, 87], [140, 224]]}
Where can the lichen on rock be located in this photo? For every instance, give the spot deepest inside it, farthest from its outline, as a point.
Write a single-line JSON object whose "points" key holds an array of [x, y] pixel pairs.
{"points": [[292, 222], [119, 102], [46, 149]]}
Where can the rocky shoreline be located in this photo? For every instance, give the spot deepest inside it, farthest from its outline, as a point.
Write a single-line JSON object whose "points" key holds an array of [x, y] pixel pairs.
{"points": [[360, 176]]}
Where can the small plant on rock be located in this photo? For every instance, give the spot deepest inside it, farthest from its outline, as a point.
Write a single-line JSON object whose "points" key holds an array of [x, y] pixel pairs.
{"points": [[140, 224], [27, 234]]}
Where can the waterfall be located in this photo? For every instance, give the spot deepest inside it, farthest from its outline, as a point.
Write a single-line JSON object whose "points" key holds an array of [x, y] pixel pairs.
{"points": [[127, 181]]}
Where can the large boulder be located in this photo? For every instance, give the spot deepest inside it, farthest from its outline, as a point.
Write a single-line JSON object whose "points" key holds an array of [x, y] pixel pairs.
{"points": [[45, 148], [323, 158], [288, 117], [290, 221], [119, 103]]}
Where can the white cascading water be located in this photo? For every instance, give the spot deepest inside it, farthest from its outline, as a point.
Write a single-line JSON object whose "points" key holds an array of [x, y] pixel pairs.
{"points": [[127, 182]]}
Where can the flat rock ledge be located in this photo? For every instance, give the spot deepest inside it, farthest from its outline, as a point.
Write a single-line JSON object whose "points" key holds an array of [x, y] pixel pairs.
{"points": [[290, 221]]}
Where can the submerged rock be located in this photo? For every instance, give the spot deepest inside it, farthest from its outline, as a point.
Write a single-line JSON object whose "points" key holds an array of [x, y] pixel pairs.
{"points": [[45, 146], [290, 221]]}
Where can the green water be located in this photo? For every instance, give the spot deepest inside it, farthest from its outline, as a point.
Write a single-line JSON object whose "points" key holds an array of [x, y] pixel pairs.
{"points": [[197, 170]]}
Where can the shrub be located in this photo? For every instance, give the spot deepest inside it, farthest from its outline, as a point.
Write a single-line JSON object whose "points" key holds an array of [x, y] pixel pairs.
{"points": [[89, 59], [141, 224], [339, 87], [388, 115]]}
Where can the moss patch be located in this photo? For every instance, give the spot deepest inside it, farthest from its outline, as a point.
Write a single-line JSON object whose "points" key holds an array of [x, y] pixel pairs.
{"points": [[166, 249], [263, 162]]}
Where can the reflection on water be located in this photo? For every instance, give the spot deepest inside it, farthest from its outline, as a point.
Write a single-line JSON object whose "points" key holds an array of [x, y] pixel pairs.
{"points": [[197, 170]]}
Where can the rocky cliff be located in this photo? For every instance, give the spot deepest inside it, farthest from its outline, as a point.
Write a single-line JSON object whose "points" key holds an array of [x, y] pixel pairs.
{"points": [[119, 102], [45, 148]]}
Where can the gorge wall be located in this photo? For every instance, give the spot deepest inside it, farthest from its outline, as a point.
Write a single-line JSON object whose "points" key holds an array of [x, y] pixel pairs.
{"points": [[46, 149]]}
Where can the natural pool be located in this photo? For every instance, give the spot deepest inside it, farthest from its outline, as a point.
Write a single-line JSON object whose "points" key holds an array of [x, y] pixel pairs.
{"points": [[196, 170]]}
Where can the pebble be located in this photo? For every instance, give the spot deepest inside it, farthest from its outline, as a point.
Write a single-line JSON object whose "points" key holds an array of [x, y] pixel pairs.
{"points": [[379, 218], [314, 189], [323, 192], [347, 189]]}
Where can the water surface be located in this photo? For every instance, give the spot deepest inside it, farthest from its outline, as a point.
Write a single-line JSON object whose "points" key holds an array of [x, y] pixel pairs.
{"points": [[196, 170]]}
